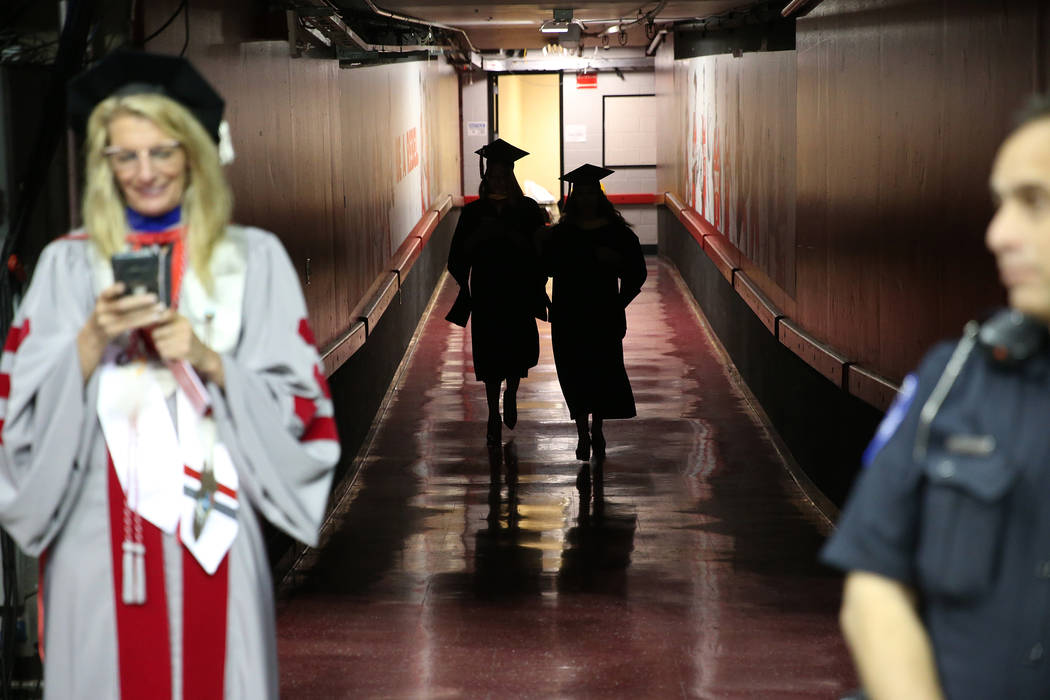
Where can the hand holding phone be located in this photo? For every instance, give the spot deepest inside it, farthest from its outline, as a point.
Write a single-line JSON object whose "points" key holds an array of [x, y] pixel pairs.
{"points": [[144, 271]]}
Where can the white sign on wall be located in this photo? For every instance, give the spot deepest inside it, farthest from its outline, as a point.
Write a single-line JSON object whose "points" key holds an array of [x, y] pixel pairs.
{"points": [[477, 128], [575, 133]]}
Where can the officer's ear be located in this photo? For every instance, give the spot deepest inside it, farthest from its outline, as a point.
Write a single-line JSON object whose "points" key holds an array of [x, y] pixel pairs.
{"points": [[1009, 337]]}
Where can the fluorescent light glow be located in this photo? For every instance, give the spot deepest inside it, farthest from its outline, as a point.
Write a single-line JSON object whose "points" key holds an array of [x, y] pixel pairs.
{"points": [[615, 29], [554, 30]]}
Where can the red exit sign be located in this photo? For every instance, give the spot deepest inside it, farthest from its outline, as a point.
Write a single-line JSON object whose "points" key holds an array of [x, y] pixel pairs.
{"points": [[586, 81]]}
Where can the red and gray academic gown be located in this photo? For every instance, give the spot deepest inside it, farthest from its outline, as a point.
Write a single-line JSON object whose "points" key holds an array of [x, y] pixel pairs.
{"points": [[198, 634]]}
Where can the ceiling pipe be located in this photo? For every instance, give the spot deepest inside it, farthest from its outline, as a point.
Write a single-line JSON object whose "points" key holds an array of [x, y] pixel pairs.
{"points": [[796, 5], [414, 20], [649, 16], [655, 43], [339, 28]]}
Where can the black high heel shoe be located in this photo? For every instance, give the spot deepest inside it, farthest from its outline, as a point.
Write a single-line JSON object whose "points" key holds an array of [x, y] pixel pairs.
{"points": [[510, 409], [598, 443], [494, 435], [583, 449]]}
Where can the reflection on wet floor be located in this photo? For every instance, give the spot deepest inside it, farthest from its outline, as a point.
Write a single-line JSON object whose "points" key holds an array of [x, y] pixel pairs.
{"points": [[684, 566]]}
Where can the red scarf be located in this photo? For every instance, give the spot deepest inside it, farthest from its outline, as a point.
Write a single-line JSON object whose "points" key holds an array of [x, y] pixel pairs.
{"points": [[177, 238]]}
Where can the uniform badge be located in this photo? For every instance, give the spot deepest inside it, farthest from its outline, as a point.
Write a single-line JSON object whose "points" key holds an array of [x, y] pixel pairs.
{"points": [[893, 418]]}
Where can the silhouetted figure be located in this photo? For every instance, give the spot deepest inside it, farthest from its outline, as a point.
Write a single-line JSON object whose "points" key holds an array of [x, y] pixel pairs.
{"points": [[494, 260], [598, 268]]}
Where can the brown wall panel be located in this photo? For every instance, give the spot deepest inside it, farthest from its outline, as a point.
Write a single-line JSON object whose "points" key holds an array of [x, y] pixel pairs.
{"points": [[901, 105], [897, 108], [811, 178], [763, 203], [910, 166], [851, 187], [1000, 48], [315, 147], [309, 239], [368, 175]]}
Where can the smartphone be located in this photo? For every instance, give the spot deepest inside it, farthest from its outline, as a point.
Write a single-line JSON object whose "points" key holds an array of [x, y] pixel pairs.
{"points": [[144, 271]]}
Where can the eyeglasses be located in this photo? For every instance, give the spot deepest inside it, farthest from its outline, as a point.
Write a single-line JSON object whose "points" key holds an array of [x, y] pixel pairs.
{"points": [[124, 160]]}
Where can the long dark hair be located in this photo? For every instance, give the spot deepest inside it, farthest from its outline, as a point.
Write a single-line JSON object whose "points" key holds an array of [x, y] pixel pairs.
{"points": [[571, 209], [514, 193]]}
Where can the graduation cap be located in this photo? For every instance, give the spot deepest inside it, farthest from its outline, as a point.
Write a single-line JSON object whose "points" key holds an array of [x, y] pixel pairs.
{"points": [[126, 72], [499, 151], [586, 173]]}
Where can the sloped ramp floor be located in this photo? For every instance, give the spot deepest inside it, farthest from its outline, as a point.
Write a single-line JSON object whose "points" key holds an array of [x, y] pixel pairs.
{"points": [[454, 571]]}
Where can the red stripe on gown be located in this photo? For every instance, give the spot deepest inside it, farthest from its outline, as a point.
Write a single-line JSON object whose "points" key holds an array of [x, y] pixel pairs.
{"points": [[143, 643], [204, 626], [307, 333], [322, 383], [15, 337], [305, 409], [321, 429]]}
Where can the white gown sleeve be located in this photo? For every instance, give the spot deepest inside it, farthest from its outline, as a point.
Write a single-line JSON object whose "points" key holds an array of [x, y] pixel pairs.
{"points": [[45, 426], [276, 413]]}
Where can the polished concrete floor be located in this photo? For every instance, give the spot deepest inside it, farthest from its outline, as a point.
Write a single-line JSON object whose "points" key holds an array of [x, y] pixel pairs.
{"points": [[683, 568]]}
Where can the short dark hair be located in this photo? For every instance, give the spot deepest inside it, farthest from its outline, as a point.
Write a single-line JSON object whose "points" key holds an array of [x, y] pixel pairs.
{"points": [[1036, 108]]}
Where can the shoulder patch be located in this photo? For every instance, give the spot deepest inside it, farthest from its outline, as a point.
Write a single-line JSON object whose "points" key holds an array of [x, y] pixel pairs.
{"points": [[893, 418]]}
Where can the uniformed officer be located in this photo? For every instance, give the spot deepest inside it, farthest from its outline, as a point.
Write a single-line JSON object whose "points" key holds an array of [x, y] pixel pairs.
{"points": [[946, 536]]}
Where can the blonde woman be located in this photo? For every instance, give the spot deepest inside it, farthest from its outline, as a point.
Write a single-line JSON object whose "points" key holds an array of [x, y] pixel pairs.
{"points": [[145, 432]]}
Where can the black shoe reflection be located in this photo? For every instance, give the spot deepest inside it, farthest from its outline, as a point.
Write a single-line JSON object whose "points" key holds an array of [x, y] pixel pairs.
{"points": [[507, 557], [597, 550]]}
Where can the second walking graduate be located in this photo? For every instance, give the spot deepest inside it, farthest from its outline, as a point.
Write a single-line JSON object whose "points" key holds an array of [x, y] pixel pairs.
{"points": [[494, 260], [598, 269]]}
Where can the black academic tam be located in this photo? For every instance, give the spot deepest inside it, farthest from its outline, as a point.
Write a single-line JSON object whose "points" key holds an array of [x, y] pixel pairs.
{"points": [[586, 173], [126, 72], [499, 151]]}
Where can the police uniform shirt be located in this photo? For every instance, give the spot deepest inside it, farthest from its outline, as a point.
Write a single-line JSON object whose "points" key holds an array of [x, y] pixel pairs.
{"points": [[965, 522]]}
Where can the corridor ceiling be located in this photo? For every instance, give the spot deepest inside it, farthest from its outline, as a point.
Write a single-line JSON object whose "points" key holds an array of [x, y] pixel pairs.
{"points": [[507, 24]]}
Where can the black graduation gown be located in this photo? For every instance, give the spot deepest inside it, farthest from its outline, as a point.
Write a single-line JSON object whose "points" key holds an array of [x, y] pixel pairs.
{"points": [[493, 255], [596, 275]]}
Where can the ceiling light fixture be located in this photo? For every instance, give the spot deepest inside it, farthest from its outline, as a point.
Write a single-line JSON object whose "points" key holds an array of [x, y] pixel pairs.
{"points": [[563, 23]]}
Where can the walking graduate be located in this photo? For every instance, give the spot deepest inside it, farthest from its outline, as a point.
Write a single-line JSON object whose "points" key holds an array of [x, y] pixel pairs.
{"points": [[598, 268], [493, 258]]}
